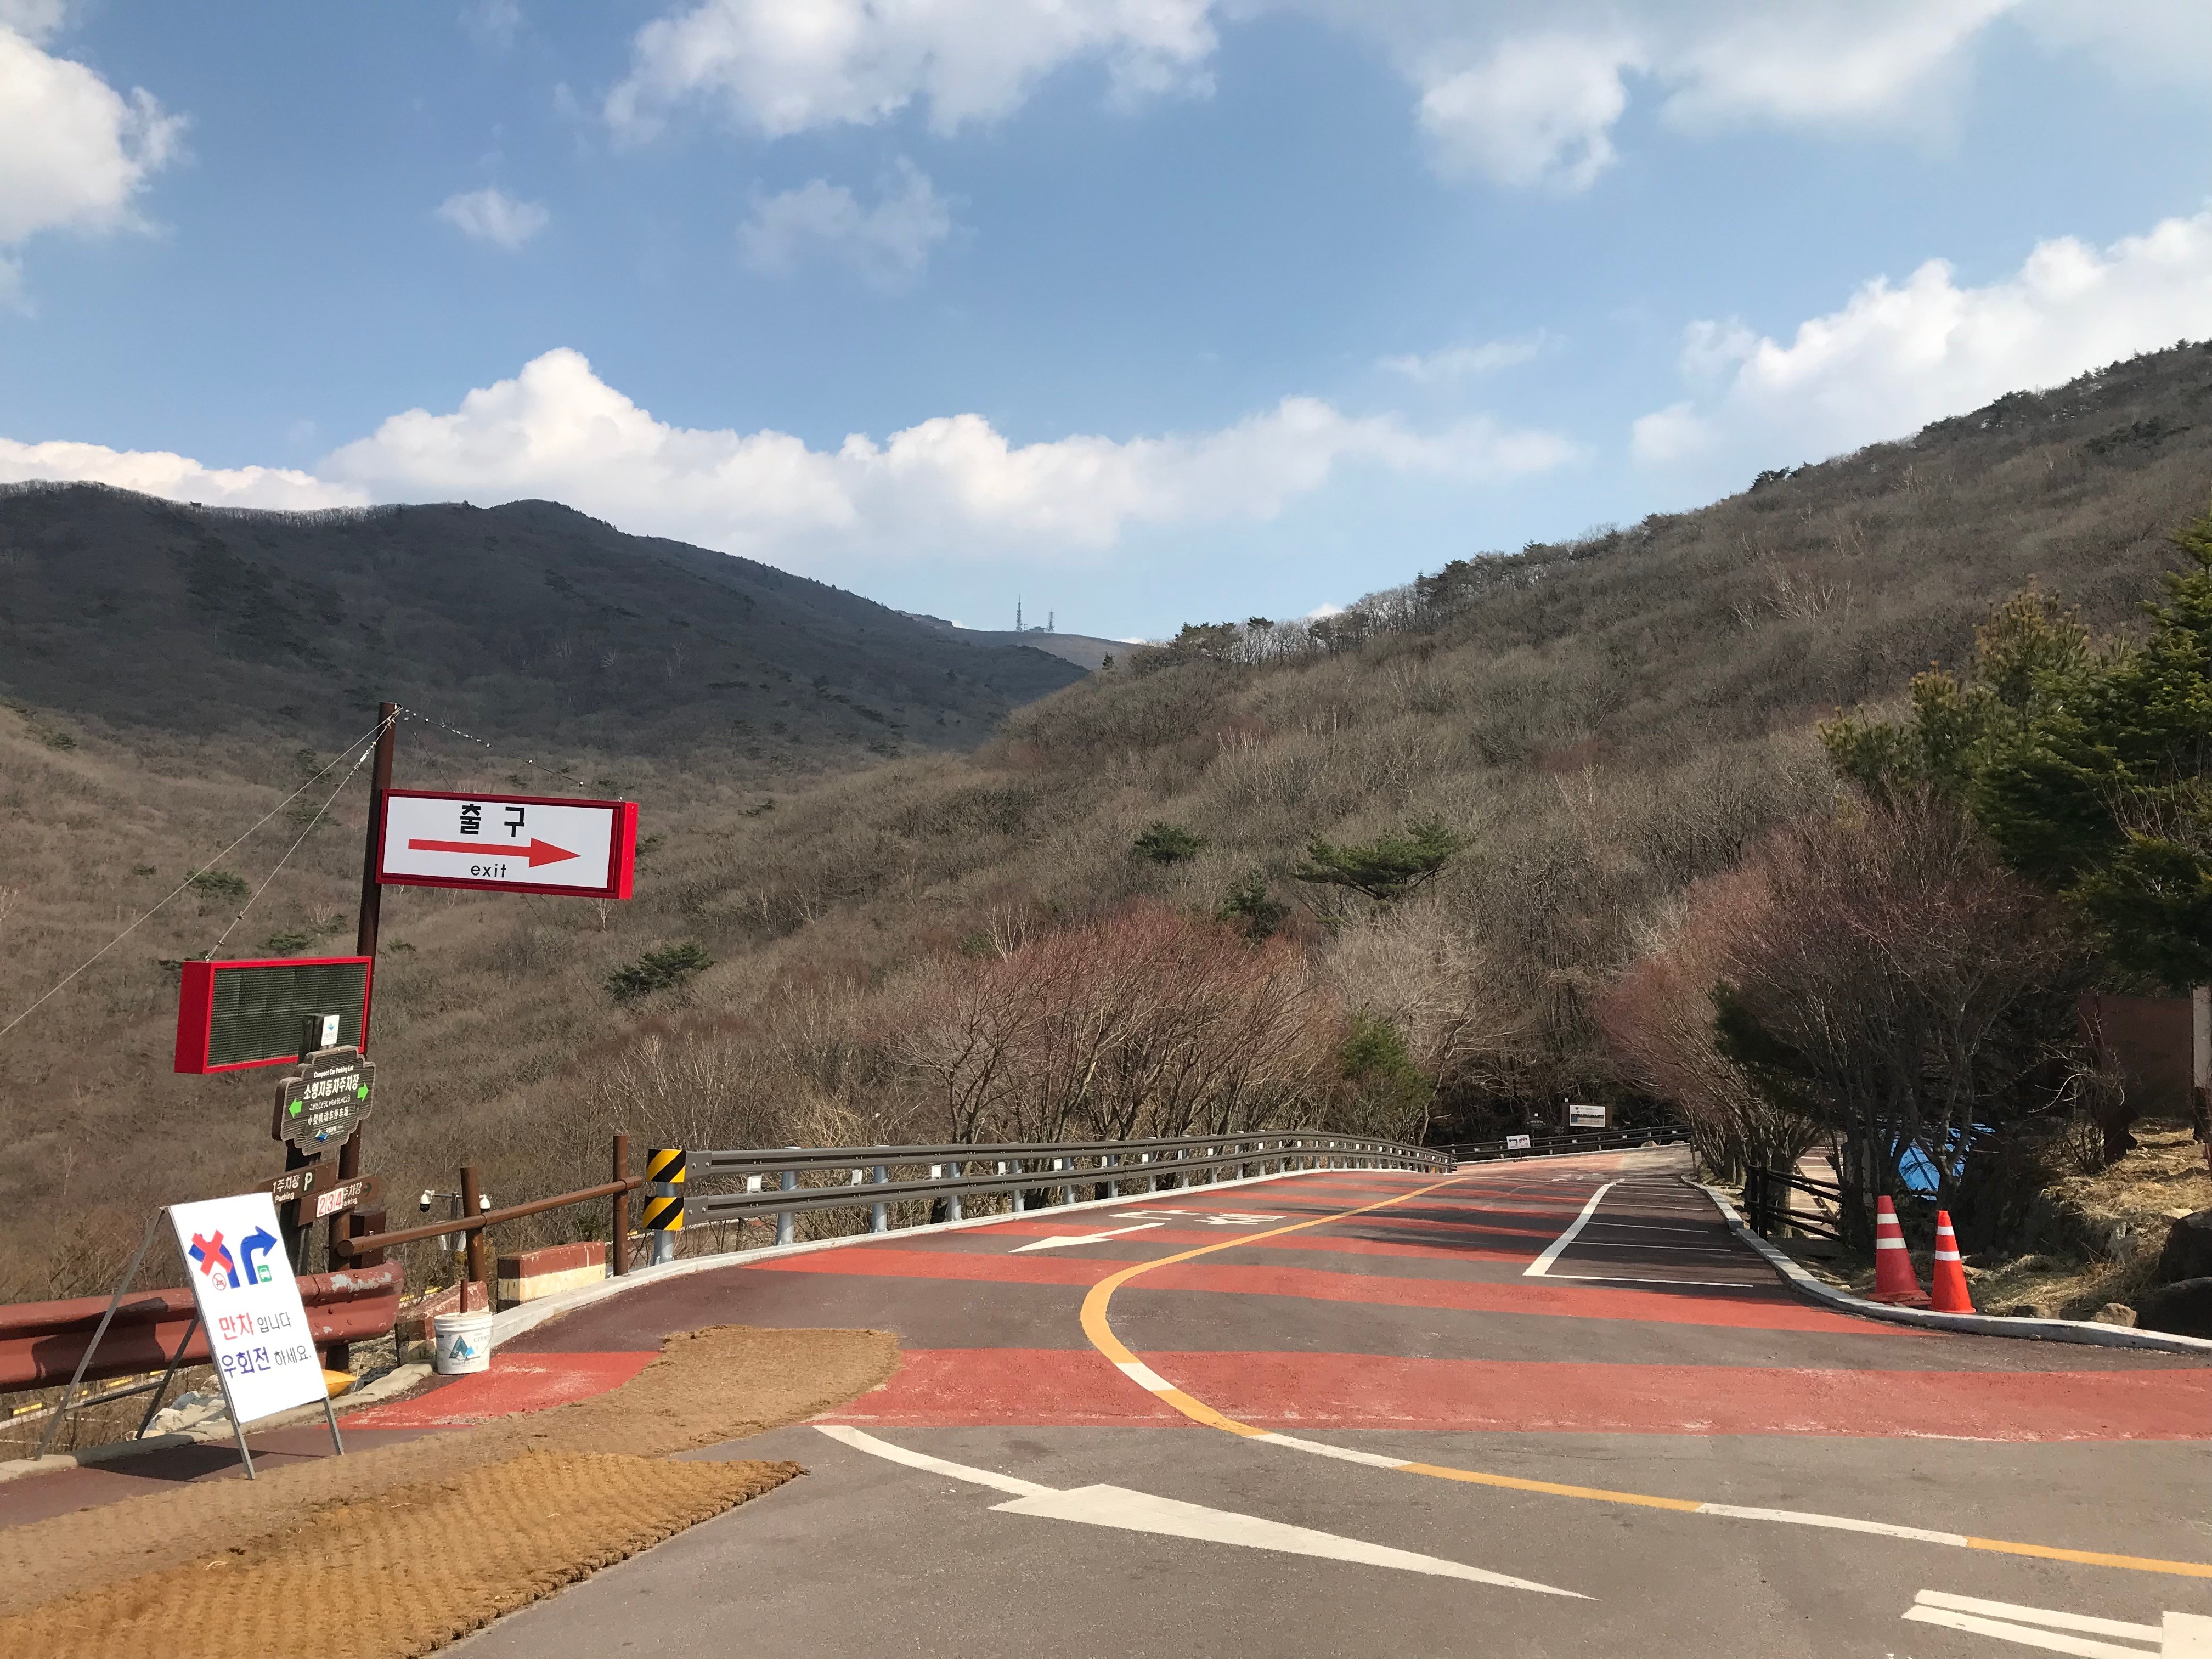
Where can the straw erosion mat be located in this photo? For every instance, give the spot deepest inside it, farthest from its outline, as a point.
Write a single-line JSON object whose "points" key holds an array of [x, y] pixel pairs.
{"points": [[398, 1551]]}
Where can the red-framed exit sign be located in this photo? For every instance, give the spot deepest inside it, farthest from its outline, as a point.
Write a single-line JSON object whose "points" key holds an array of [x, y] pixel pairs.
{"points": [[508, 843], [232, 1015]]}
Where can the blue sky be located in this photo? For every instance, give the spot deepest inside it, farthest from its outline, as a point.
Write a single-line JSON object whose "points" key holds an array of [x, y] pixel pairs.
{"points": [[1149, 310]]}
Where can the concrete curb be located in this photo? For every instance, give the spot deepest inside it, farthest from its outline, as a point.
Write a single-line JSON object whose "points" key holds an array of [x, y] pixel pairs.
{"points": [[2084, 1331], [397, 1380]]}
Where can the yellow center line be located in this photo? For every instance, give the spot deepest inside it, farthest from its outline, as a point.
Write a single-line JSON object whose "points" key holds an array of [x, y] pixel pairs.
{"points": [[1099, 1329]]}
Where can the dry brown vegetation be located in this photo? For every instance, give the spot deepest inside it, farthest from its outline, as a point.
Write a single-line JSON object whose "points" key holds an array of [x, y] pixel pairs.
{"points": [[1608, 722]]}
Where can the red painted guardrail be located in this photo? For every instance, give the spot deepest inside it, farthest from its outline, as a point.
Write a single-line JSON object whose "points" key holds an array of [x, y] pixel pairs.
{"points": [[40, 1342]]}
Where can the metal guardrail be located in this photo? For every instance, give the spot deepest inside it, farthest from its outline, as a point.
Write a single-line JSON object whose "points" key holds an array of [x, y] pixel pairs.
{"points": [[1767, 1206], [773, 1176], [1584, 1141]]}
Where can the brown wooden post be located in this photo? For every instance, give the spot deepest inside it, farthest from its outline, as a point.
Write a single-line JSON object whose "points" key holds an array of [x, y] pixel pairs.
{"points": [[618, 1227], [364, 944], [474, 1271]]}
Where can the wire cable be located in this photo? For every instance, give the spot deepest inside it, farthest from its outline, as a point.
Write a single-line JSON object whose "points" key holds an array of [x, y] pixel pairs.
{"points": [[432, 720], [367, 737], [293, 847]]}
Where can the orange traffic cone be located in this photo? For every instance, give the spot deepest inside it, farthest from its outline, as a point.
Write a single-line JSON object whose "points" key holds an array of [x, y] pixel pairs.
{"points": [[1949, 1279], [1893, 1278]]}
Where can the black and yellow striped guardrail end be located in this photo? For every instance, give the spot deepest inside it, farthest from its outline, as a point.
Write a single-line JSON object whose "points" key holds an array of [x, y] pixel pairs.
{"points": [[664, 1186]]}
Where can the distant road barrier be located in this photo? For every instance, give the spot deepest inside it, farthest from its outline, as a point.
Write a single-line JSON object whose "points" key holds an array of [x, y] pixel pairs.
{"points": [[773, 1177], [1579, 1140]]}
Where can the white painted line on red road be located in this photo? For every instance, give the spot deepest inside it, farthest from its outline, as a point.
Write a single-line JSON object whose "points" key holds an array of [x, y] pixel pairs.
{"points": [[1170, 1517], [1060, 1241], [1541, 1266], [1625, 1279], [1143, 1375]]}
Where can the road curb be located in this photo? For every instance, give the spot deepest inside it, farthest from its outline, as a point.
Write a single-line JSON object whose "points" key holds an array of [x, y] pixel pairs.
{"points": [[2085, 1331]]}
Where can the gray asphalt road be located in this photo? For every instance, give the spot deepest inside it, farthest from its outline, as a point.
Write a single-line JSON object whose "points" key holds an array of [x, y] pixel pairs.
{"points": [[1621, 1384]]}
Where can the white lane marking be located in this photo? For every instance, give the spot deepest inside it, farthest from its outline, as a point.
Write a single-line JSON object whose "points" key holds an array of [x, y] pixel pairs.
{"points": [[1059, 1241], [1170, 1517], [1543, 1264], [1374, 1460], [2056, 1620], [1137, 1512], [1205, 1218], [1660, 1227], [1623, 1279], [2049, 1641], [1637, 1244], [914, 1460], [1143, 1375], [1834, 1523], [2176, 1636]]}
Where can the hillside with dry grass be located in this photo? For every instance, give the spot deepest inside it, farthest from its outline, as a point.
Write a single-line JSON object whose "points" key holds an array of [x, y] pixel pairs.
{"points": [[941, 943]]}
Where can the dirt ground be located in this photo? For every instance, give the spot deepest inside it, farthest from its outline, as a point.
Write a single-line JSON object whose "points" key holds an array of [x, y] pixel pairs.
{"points": [[520, 1506]]}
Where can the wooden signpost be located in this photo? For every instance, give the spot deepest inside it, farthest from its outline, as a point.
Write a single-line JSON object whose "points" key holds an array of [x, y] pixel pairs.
{"points": [[236, 1014]]}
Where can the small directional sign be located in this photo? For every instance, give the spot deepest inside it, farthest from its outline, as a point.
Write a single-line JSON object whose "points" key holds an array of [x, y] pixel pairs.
{"points": [[319, 1102], [508, 843]]}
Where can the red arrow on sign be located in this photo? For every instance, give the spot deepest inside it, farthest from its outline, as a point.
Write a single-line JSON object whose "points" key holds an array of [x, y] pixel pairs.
{"points": [[541, 852]]}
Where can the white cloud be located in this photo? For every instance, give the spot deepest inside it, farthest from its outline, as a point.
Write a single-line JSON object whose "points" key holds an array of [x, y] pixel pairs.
{"points": [[784, 66], [1527, 93], [948, 486], [156, 472], [496, 24], [34, 20], [492, 216], [73, 152], [889, 243], [1896, 357], [1539, 110], [1465, 362]]}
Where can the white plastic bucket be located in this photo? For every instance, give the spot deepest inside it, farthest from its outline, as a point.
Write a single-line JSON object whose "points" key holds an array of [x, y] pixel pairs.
{"points": [[461, 1343]]}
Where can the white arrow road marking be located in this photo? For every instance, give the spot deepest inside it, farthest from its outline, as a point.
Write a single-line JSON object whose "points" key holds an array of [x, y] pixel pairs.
{"points": [[1059, 1240], [2176, 1636], [1170, 1517]]}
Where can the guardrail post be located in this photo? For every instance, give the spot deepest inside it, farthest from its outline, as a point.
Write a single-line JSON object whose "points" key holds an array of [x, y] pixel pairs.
{"points": [[952, 1199], [618, 1210], [474, 1252], [786, 1220], [879, 1217], [1067, 1192]]}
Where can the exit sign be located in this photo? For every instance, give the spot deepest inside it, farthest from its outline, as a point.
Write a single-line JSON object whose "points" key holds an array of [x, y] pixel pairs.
{"points": [[508, 843]]}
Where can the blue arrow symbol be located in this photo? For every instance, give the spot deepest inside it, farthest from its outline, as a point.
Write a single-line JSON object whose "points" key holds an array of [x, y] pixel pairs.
{"points": [[256, 1242]]}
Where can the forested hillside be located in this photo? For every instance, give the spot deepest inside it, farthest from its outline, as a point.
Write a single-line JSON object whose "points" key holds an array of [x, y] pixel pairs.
{"points": [[529, 619], [1096, 921]]}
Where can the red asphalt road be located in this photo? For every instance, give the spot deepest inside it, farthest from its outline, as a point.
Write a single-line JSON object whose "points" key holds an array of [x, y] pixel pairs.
{"points": [[1421, 1314]]}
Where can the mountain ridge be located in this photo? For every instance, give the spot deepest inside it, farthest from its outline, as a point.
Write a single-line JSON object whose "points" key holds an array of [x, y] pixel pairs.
{"points": [[530, 616]]}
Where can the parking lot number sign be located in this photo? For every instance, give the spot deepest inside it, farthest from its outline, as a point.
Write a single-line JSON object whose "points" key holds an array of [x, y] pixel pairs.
{"points": [[508, 843], [249, 1304]]}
